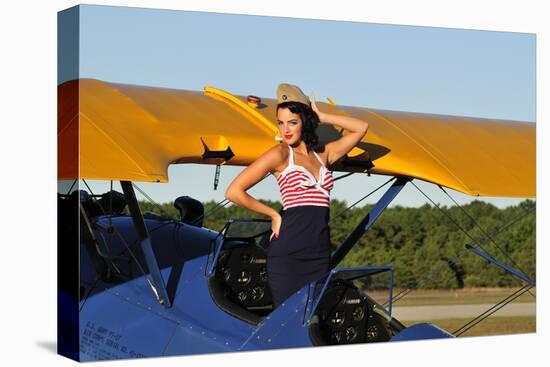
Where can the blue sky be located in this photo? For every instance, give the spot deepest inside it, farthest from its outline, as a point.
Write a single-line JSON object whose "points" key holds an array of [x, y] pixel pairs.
{"points": [[408, 68]]}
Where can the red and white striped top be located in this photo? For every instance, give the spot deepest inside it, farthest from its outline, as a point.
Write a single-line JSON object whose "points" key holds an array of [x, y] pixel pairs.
{"points": [[299, 187]]}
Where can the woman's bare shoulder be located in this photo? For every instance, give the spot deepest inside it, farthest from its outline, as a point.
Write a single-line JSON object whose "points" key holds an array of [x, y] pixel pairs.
{"points": [[277, 155]]}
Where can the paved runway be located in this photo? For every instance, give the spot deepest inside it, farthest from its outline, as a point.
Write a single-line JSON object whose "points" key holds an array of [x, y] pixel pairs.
{"points": [[407, 313]]}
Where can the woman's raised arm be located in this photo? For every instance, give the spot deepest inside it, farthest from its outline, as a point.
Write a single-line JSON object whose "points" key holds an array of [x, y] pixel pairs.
{"points": [[357, 129]]}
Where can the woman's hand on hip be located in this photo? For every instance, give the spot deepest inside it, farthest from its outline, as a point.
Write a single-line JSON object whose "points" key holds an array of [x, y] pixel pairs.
{"points": [[276, 221]]}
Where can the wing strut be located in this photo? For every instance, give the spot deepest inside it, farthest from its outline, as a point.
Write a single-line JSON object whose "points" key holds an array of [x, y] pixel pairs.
{"points": [[487, 236], [368, 221], [454, 260], [501, 265], [159, 288]]}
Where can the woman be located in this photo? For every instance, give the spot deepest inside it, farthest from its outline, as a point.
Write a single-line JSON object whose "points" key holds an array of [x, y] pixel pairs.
{"points": [[299, 248]]}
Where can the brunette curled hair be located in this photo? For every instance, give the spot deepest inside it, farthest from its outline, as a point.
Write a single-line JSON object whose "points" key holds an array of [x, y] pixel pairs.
{"points": [[310, 121]]}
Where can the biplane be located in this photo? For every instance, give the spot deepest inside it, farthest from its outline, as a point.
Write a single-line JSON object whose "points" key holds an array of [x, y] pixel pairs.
{"points": [[140, 284]]}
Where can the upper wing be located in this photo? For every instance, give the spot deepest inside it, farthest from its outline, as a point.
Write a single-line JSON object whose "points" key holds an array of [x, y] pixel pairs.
{"points": [[128, 132]]}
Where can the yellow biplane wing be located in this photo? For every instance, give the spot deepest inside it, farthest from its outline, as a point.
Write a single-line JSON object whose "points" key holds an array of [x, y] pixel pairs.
{"points": [[110, 131]]}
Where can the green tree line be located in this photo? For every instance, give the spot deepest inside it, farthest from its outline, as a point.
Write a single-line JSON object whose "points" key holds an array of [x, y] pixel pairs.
{"points": [[426, 248]]}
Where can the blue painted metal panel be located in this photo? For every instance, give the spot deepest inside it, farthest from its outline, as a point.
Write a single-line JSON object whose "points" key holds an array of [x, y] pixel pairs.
{"points": [[113, 328], [155, 278], [197, 309], [194, 340], [171, 240], [291, 334], [125, 320], [284, 327], [202, 326], [421, 332]]}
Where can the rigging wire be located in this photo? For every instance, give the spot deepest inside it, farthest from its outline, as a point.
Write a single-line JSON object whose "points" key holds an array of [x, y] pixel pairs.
{"points": [[342, 176], [459, 331], [162, 212], [70, 188], [511, 222], [492, 310], [482, 230], [115, 230], [219, 205], [456, 224], [146, 276], [108, 258], [216, 207], [363, 198], [449, 216], [453, 260]]}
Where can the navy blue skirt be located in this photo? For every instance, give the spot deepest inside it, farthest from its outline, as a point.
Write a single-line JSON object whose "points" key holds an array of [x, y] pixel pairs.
{"points": [[301, 253]]}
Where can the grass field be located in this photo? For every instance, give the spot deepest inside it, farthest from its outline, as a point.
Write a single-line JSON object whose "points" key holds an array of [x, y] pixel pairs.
{"points": [[424, 297], [490, 326]]}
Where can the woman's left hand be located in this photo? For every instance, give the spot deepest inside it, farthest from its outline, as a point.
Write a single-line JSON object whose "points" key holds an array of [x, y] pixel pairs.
{"points": [[314, 107], [276, 222]]}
